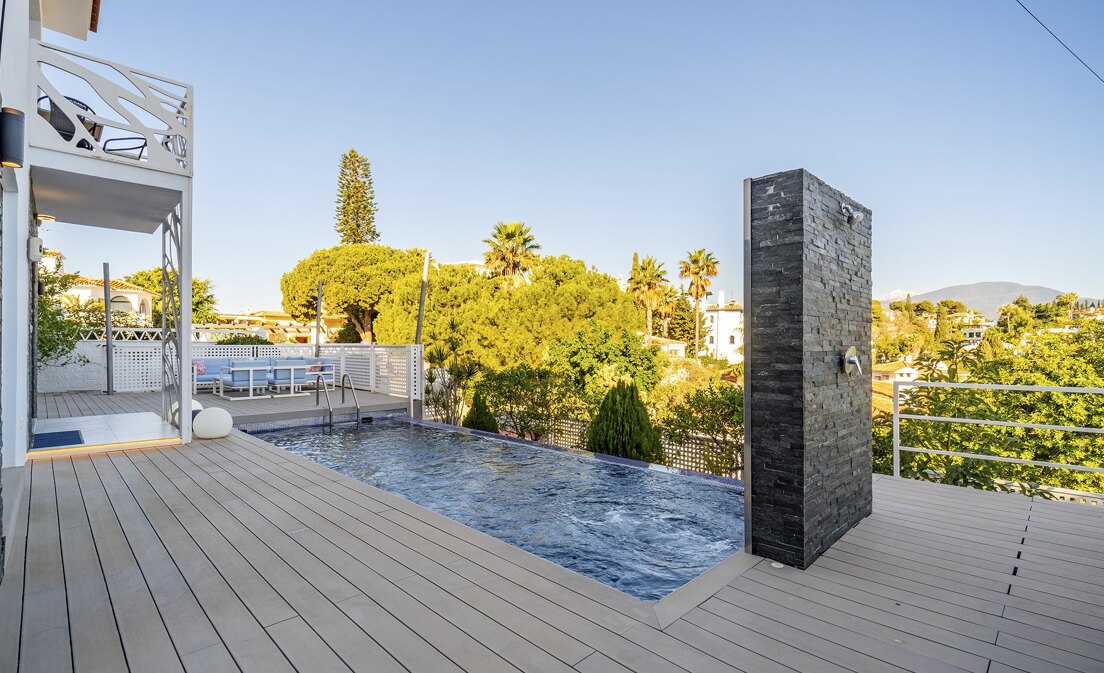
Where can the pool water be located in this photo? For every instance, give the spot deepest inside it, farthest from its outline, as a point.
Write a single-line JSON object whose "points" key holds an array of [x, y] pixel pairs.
{"points": [[641, 531]]}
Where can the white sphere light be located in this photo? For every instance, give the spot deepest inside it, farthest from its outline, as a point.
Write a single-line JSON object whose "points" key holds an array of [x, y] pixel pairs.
{"points": [[212, 423]]}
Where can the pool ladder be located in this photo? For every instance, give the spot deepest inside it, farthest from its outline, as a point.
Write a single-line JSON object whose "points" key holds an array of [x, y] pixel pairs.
{"points": [[320, 387]]}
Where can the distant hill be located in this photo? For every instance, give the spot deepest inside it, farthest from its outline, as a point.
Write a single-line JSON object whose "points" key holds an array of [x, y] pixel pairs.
{"points": [[985, 297]]}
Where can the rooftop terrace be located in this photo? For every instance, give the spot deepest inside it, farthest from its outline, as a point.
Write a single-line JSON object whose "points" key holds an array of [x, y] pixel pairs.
{"points": [[233, 554]]}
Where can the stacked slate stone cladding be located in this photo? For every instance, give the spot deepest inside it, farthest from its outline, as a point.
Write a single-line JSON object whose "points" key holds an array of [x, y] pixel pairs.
{"points": [[810, 433]]}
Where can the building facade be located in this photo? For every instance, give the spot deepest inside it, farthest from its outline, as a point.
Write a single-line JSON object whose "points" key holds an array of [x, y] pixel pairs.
{"points": [[101, 145], [724, 328]]}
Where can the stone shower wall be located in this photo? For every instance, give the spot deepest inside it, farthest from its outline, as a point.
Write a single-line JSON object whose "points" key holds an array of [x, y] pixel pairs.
{"points": [[809, 422]]}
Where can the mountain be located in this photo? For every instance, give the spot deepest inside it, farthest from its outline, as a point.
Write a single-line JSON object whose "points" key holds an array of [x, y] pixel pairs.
{"points": [[986, 297]]}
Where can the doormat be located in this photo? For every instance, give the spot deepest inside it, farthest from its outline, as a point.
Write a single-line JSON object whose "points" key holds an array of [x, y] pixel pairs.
{"points": [[50, 440]]}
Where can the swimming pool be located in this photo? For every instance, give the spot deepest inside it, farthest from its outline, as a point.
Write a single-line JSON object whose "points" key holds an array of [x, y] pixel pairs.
{"points": [[641, 531]]}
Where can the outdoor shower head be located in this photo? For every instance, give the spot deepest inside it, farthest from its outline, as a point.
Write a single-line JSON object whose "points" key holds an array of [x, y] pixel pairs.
{"points": [[852, 216]]}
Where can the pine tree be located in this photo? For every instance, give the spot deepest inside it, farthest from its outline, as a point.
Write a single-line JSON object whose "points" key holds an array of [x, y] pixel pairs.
{"points": [[355, 219], [479, 416], [622, 428]]}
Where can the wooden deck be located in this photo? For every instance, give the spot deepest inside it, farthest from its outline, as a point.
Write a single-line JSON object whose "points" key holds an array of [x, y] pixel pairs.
{"points": [[233, 554], [71, 404]]}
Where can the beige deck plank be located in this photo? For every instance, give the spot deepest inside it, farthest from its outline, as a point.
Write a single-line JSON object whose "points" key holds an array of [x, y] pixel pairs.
{"points": [[304, 582], [95, 636], [333, 574], [142, 631], [188, 625], [11, 588], [568, 649], [304, 649], [243, 636], [44, 644]]}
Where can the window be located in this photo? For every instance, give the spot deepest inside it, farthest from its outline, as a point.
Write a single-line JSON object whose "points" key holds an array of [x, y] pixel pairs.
{"points": [[710, 338], [732, 340], [121, 303]]}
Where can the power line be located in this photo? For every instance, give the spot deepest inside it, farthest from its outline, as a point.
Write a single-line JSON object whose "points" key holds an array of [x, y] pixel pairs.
{"points": [[1089, 68]]}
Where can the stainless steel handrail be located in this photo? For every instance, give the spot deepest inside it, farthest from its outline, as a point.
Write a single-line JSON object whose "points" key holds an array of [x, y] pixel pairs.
{"points": [[319, 388], [898, 416], [356, 402]]}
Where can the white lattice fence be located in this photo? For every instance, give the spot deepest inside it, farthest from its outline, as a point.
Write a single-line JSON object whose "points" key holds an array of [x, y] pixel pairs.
{"points": [[387, 369], [137, 367]]}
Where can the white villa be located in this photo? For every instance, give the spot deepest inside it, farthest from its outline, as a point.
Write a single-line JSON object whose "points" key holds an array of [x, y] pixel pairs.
{"points": [[125, 297], [724, 330]]}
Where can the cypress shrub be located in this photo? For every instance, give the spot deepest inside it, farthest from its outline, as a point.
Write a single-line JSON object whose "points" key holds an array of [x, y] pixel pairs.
{"points": [[622, 428], [479, 416]]}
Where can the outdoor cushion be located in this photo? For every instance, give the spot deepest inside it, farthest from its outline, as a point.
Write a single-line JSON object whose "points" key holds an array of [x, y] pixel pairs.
{"points": [[240, 379], [282, 375], [200, 367]]}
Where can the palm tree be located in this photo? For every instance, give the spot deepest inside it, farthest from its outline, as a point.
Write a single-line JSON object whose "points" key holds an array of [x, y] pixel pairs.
{"points": [[513, 251], [668, 301], [699, 266], [646, 282]]}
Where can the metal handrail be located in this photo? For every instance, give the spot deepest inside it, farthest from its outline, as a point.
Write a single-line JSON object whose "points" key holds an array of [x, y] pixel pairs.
{"points": [[319, 388], [356, 402], [897, 416]]}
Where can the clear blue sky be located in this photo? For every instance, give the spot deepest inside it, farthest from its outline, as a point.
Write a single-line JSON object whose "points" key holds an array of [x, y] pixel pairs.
{"points": [[613, 127]]}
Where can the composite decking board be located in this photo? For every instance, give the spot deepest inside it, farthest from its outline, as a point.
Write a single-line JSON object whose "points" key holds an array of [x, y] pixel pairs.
{"points": [[746, 660], [11, 589], [188, 625], [243, 636], [676, 651], [779, 628], [894, 535], [1032, 576], [426, 567], [145, 638], [997, 538], [935, 641], [860, 635], [961, 570], [986, 590], [715, 632], [1089, 528], [915, 548], [354, 646], [451, 602], [1036, 656], [94, 633], [264, 602], [304, 650], [922, 623], [485, 547], [447, 640], [44, 644]]}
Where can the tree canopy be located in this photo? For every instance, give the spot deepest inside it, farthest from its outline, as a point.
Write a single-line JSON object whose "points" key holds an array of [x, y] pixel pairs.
{"points": [[504, 326], [357, 277], [598, 356], [203, 296]]}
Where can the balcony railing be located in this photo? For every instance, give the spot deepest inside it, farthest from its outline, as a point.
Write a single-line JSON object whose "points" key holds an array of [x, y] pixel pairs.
{"points": [[898, 416], [92, 107]]}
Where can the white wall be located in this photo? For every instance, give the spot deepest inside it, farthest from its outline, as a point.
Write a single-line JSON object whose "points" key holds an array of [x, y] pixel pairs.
{"points": [[89, 376], [16, 286], [726, 329]]}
